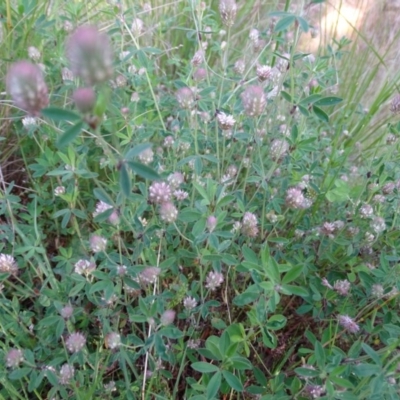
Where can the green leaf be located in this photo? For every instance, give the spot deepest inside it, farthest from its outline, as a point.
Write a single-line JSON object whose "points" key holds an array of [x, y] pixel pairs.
{"points": [[171, 332], [363, 370], [372, 353], [303, 110], [296, 290], [59, 114], [19, 373], [270, 266], [303, 24], [287, 96], [328, 101], [284, 23], [103, 101], [249, 296], [322, 115], [69, 135], [100, 286], [101, 194], [293, 274], [213, 386], [340, 193], [60, 327], [310, 373], [204, 367], [135, 151], [143, 170], [77, 289], [224, 343], [233, 381], [241, 363], [341, 381], [319, 354], [125, 181], [66, 218], [310, 99], [276, 322], [202, 192]]}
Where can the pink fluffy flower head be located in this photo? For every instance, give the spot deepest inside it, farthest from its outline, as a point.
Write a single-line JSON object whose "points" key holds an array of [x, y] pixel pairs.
{"points": [[27, 87], [254, 100], [228, 10], [159, 192], [348, 323], [84, 99], [90, 55], [75, 342], [185, 97], [168, 212], [13, 358]]}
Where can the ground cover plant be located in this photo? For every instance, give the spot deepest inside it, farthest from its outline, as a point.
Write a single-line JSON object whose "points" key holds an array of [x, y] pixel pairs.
{"points": [[194, 208]]}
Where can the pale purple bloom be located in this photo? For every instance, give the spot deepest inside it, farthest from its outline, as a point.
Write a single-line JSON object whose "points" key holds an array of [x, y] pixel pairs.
{"points": [[211, 223], [113, 340], [26, 86], [98, 244], [227, 11], [159, 192], [348, 323], [167, 318], [67, 311], [168, 212], [342, 287], [101, 207], [254, 100], [149, 275], [66, 374], [75, 342], [249, 225], [8, 264], [90, 55], [84, 267], [189, 303], [185, 97], [214, 280], [84, 99], [14, 358]]}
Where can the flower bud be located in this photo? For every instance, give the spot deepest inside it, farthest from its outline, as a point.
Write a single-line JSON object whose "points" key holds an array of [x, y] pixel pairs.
{"points": [[211, 223], [84, 99], [27, 87], [90, 55]]}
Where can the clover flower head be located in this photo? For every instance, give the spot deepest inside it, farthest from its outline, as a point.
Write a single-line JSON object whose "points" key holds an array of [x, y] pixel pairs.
{"points": [[8, 264], [189, 303], [75, 342], [90, 54], [227, 11], [113, 340], [342, 287], [214, 280], [14, 358], [254, 100], [225, 121], [66, 374], [168, 212], [159, 192], [26, 85], [348, 323]]}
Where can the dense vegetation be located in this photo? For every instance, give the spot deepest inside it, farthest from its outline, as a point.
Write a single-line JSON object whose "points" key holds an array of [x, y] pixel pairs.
{"points": [[192, 207]]}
